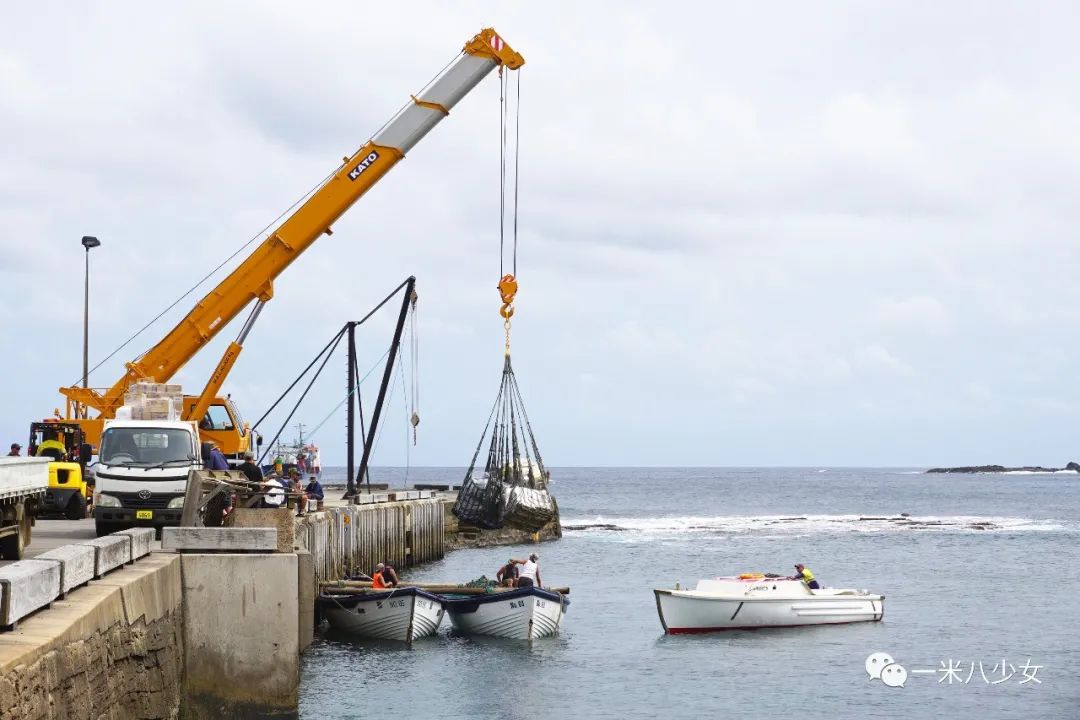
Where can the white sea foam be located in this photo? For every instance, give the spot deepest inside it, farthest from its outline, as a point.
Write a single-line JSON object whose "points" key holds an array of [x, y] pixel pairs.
{"points": [[806, 524]]}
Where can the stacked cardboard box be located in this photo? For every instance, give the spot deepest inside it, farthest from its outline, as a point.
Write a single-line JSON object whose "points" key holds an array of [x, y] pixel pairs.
{"points": [[154, 401]]}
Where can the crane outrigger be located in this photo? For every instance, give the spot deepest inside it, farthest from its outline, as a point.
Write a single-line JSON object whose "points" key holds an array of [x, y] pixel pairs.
{"points": [[252, 280]]}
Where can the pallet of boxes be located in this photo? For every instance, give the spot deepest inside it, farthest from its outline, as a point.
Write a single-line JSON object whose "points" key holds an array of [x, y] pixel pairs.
{"points": [[152, 401]]}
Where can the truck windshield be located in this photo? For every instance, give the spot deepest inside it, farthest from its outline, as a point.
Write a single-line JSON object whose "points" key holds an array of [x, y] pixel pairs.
{"points": [[144, 446]]}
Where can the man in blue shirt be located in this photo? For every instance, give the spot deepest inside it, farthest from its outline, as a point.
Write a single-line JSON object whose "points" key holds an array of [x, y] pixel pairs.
{"points": [[313, 492], [217, 458]]}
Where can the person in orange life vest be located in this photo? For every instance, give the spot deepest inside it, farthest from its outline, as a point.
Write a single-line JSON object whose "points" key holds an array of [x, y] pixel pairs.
{"points": [[383, 577]]}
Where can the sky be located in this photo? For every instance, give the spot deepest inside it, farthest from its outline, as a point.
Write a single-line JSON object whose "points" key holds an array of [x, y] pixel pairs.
{"points": [[824, 234]]}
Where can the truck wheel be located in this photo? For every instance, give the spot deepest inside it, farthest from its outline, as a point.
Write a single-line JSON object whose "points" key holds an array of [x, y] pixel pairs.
{"points": [[76, 507], [102, 529], [12, 546]]}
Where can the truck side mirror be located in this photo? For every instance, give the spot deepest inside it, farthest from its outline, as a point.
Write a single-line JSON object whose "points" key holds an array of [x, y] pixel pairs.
{"points": [[258, 440], [86, 453], [205, 450]]}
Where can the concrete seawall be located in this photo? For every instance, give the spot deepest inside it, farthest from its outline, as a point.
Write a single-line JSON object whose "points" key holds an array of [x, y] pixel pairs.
{"points": [[112, 649], [211, 634]]}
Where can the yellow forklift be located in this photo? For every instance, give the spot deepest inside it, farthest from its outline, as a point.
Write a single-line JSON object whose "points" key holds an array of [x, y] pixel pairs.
{"points": [[70, 489]]}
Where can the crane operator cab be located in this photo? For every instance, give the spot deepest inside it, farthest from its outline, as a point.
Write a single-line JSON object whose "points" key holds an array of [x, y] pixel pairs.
{"points": [[223, 424], [71, 487]]}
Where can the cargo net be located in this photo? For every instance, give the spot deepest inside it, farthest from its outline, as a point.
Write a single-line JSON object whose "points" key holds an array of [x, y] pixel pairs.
{"points": [[510, 487]]}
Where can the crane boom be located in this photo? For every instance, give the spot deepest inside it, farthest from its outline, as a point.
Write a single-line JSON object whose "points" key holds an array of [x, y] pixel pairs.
{"points": [[253, 279]]}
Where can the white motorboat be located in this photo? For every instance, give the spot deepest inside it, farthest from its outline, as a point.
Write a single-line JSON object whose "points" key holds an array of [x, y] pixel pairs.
{"points": [[522, 613], [404, 613], [756, 601]]}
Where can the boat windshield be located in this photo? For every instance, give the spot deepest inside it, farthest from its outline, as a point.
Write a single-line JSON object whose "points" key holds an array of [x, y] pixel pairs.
{"points": [[143, 447]]}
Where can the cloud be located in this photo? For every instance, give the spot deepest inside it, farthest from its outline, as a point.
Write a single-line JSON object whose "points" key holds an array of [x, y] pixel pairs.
{"points": [[917, 313], [788, 216]]}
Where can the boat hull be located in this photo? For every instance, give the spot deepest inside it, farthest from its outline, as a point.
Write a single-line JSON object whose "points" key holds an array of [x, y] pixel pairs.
{"points": [[402, 614], [682, 612], [521, 614]]}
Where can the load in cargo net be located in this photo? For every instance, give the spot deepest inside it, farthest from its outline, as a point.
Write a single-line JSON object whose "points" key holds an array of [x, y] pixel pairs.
{"points": [[509, 487]]}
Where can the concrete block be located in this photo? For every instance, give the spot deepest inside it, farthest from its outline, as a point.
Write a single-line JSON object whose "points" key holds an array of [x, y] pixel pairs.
{"points": [[363, 499], [110, 552], [231, 539], [241, 635], [141, 540], [412, 495], [27, 586], [76, 565], [380, 497], [425, 494], [282, 519]]}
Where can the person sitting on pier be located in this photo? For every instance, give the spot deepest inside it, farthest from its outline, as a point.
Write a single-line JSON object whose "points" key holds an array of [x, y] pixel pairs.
{"points": [[296, 487], [384, 577], [253, 472], [15, 448], [508, 574], [806, 576], [529, 575], [314, 492], [275, 493]]}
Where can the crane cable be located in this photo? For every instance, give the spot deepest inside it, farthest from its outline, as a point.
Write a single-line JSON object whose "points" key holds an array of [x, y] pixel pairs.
{"points": [[414, 363], [508, 285], [264, 233]]}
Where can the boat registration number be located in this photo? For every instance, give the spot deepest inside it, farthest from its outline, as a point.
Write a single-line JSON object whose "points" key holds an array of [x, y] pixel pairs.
{"points": [[144, 514]]}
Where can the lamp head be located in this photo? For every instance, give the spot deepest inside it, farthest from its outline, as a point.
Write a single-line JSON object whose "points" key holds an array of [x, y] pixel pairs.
{"points": [[90, 242]]}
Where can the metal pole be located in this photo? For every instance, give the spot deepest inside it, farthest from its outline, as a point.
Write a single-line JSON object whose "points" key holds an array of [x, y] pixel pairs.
{"points": [[387, 374], [350, 416], [88, 242], [86, 324]]}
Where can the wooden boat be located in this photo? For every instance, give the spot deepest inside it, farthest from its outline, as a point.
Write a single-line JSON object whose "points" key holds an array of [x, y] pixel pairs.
{"points": [[403, 613], [756, 601], [519, 613]]}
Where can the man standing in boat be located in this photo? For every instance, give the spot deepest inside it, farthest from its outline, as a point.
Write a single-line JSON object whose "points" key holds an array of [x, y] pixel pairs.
{"points": [[803, 573], [529, 575]]}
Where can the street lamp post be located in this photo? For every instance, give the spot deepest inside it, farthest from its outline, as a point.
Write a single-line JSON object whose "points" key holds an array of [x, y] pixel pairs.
{"points": [[87, 242]]}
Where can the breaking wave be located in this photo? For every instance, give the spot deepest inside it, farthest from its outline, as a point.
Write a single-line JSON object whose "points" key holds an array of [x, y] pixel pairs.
{"points": [[807, 524]]}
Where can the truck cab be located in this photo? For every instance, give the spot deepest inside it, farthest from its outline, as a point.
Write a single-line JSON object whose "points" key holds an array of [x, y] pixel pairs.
{"points": [[142, 472]]}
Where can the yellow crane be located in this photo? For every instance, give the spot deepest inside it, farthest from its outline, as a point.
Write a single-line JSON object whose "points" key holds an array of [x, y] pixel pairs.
{"points": [[252, 280]]}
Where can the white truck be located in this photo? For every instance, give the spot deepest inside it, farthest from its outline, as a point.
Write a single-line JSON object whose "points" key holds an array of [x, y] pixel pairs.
{"points": [[142, 471], [23, 483]]}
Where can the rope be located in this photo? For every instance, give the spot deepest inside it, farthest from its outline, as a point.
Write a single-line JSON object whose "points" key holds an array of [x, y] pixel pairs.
{"points": [[206, 277], [302, 396], [333, 341], [502, 167], [405, 405], [414, 362], [517, 153], [348, 395]]}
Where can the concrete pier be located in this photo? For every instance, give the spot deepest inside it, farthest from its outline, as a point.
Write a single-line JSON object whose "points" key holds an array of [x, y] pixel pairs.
{"points": [[206, 631]]}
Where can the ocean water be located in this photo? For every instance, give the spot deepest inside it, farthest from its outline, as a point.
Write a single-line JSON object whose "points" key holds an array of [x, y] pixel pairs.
{"points": [[982, 586]]}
